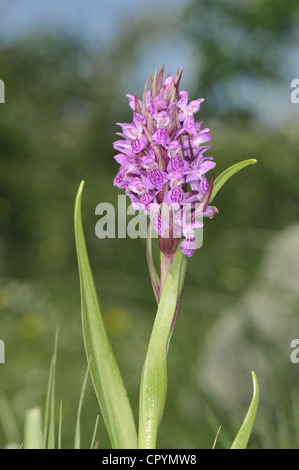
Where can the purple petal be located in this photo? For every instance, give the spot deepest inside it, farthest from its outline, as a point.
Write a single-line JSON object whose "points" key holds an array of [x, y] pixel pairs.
{"points": [[148, 163], [161, 137], [132, 101], [194, 175], [159, 103], [163, 119], [121, 180], [189, 125], [194, 106], [174, 148], [175, 196], [201, 137], [199, 167], [123, 146], [177, 164], [210, 212], [155, 178], [138, 145], [188, 247], [137, 186], [182, 103], [129, 162], [131, 132], [138, 119]]}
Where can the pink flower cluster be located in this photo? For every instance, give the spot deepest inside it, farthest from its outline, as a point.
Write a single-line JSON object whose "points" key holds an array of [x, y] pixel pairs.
{"points": [[162, 160]]}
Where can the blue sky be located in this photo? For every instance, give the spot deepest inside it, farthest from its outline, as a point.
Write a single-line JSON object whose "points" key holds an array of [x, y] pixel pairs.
{"points": [[91, 19], [98, 21]]}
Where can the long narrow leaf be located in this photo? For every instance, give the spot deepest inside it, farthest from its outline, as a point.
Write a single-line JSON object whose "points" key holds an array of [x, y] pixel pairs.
{"points": [[93, 440], [51, 428], [105, 374], [153, 386], [242, 438], [49, 414], [228, 173], [59, 427], [216, 437], [48, 403], [77, 444]]}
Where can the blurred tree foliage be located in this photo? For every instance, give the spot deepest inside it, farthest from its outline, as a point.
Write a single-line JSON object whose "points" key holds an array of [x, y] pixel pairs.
{"points": [[248, 41], [57, 127]]}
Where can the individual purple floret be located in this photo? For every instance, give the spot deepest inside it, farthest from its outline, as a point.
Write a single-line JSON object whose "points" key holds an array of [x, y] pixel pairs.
{"points": [[163, 163]]}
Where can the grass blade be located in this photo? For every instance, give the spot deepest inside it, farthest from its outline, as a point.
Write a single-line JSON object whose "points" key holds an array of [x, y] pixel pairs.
{"points": [[242, 438], [33, 429], [47, 405], [105, 374], [49, 414], [77, 444], [92, 445], [216, 437], [59, 427]]}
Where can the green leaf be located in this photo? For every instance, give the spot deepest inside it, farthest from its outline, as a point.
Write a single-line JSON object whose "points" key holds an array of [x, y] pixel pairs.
{"points": [[77, 443], [104, 371], [242, 438], [59, 427], [226, 174], [49, 414], [155, 280], [93, 440], [33, 429], [153, 385], [179, 299]]}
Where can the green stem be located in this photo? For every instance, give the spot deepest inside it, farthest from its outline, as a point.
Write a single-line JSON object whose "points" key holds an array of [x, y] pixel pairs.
{"points": [[166, 261], [153, 386]]}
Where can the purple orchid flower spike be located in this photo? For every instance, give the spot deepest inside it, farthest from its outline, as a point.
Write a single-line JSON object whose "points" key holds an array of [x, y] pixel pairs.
{"points": [[163, 162]]}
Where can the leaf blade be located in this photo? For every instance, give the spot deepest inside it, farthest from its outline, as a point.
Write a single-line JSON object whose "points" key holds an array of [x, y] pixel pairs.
{"points": [[93, 440], [33, 429], [104, 371], [153, 387], [228, 173], [49, 413], [77, 443], [242, 437]]}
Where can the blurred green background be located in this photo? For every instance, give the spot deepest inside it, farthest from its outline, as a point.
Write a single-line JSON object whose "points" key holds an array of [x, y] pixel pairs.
{"points": [[67, 69]]}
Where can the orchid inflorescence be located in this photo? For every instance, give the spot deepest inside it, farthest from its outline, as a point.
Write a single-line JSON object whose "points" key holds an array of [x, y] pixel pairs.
{"points": [[162, 161]]}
